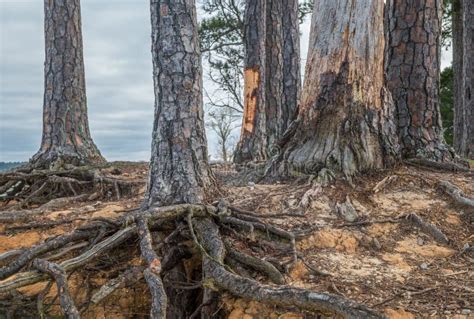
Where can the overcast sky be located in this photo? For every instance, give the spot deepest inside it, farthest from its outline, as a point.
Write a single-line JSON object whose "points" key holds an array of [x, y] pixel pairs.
{"points": [[118, 76]]}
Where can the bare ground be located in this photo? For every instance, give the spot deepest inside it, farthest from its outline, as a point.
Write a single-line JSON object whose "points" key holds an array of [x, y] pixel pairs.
{"points": [[382, 259]]}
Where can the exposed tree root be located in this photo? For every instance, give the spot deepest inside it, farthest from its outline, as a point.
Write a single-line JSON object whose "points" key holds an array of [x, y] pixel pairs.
{"points": [[456, 194], [29, 186], [438, 166], [190, 230], [59, 275], [428, 228]]}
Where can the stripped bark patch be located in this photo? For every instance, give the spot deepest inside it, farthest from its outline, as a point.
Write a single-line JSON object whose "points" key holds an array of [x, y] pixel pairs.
{"points": [[252, 82]]}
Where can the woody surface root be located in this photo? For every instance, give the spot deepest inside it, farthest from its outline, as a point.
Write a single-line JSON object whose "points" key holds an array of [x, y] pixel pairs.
{"points": [[208, 233], [31, 187]]}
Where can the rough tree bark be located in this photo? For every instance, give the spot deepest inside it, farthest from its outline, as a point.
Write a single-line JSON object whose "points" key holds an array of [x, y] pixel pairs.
{"points": [[291, 62], [282, 68], [468, 78], [274, 104], [344, 119], [457, 29], [66, 136], [179, 170], [253, 141], [413, 70]]}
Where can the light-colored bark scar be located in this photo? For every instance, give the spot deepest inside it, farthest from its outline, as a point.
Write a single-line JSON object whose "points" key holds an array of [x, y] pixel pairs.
{"points": [[164, 10], [252, 82]]}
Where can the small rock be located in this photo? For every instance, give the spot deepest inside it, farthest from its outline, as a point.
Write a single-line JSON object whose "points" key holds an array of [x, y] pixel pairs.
{"points": [[376, 244], [347, 211], [466, 312], [424, 266], [420, 241]]}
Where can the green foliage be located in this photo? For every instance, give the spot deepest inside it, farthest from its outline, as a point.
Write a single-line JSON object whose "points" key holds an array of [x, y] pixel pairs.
{"points": [[447, 102], [447, 30]]}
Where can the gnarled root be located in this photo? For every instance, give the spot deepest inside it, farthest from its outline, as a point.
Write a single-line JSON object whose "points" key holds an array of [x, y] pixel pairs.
{"points": [[30, 186], [59, 275], [190, 229]]}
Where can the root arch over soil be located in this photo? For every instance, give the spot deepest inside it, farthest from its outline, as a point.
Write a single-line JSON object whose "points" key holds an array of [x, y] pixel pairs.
{"points": [[28, 187], [207, 233]]}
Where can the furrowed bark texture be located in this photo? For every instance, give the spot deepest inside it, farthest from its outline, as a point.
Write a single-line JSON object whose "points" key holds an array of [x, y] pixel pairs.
{"points": [[344, 120], [253, 142], [291, 62], [274, 71], [457, 28], [412, 71], [179, 170], [468, 79], [282, 68], [66, 135]]}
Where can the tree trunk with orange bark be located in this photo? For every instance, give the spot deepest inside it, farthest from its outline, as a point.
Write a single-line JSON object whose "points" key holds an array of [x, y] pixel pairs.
{"points": [[253, 138], [66, 136], [345, 121], [413, 75]]}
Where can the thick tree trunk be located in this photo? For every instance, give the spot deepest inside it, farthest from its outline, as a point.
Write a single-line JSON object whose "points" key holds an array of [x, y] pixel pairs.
{"points": [[253, 138], [457, 28], [344, 120], [66, 137], [468, 79], [413, 70], [179, 169]]}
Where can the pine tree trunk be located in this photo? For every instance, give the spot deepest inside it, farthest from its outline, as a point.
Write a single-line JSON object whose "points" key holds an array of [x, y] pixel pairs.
{"points": [[66, 137], [344, 120], [253, 138], [468, 79], [413, 72], [457, 29], [274, 102], [291, 63], [179, 170]]}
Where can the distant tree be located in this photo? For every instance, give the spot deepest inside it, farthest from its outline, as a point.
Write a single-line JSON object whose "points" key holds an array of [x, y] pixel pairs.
{"points": [[223, 122], [66, 137], [467, 144]]}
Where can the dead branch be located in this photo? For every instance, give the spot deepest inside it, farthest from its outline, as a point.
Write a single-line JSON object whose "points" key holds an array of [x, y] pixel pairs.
{"points": [[59, 275], [128, 278], [428, 228], [384, 183]]}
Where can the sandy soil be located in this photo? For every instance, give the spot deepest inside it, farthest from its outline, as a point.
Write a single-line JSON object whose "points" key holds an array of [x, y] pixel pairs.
{"points": [[394, 267]]}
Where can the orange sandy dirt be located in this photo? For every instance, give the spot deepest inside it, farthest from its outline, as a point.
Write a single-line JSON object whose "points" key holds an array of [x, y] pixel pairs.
{"points": [[393, 267]]}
